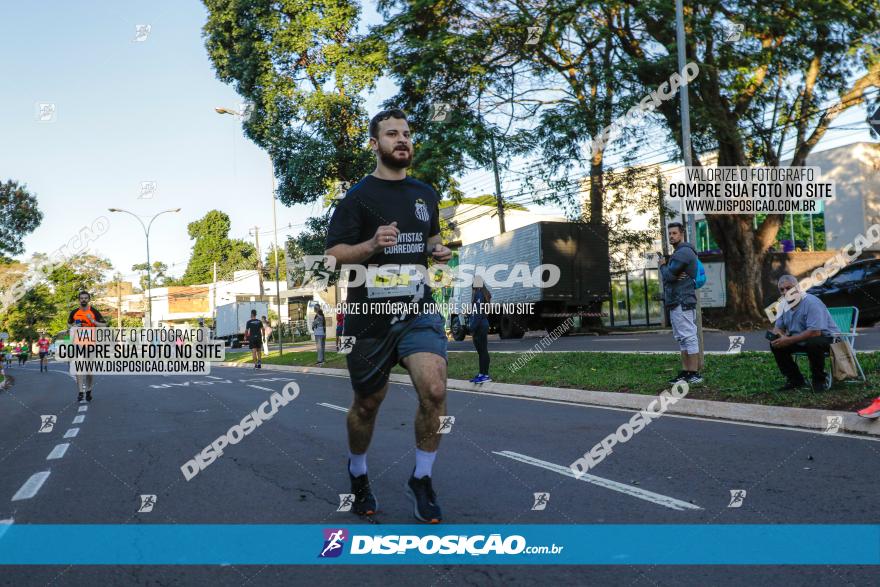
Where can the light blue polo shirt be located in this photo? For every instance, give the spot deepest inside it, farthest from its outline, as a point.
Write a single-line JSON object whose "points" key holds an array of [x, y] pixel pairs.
{"points": [[809, 314]]}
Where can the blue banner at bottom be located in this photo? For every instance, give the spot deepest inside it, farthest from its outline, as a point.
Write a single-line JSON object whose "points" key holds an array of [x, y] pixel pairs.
{"points": [[357, 544]]}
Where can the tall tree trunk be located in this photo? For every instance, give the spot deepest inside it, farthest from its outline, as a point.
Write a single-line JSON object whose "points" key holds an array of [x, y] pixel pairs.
{"points": [[744, 256]]}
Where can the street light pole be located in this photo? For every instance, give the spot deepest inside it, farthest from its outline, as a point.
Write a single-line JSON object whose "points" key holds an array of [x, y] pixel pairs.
{"points": [[686, 147], [277, 270], [146, 228], [222, 110]]}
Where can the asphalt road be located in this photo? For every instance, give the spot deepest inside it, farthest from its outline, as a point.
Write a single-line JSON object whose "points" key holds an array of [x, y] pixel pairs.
{"points": [[136, 434]]}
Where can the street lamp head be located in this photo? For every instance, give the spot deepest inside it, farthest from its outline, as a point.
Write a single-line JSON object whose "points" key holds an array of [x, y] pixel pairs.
{"points": [[113, 209], [222, 110]]}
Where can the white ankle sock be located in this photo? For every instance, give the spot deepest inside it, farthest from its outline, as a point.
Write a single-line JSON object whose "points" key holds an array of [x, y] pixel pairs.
{"points": [[358, 464], [424, 463]]}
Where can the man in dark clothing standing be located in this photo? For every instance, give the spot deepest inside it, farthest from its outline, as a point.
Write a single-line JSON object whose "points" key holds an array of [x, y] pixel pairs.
{"points": [[680, 298], [253, 333]]}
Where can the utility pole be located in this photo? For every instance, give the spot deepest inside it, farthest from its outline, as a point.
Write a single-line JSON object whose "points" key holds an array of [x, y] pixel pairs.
{"points": [[664, 247], [277, 271], [214, 299], [497, 184], [686, 145], [118, 301], [259, 261]]}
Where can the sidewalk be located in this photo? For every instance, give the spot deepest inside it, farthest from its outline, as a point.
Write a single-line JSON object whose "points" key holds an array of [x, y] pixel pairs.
{"points": [[799, 418]]}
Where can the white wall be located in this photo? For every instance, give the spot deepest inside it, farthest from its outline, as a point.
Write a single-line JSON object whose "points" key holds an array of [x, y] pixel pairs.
{"points": [[474, 222]]}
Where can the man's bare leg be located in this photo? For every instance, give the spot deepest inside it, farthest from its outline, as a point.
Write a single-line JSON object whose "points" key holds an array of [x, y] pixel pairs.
{"points": [[362, 419], [428, 374]]}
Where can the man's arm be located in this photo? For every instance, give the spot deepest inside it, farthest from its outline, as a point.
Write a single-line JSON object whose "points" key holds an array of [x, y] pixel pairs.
{"points": [[99, 320], [438, 251], [386, 236], [784, 341]]}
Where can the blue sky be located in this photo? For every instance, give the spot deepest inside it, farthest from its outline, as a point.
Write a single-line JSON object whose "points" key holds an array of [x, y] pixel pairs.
{"points": [[129, 112]]}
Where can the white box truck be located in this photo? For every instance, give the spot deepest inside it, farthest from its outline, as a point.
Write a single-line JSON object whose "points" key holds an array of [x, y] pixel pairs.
{"points": [[231, 319]]}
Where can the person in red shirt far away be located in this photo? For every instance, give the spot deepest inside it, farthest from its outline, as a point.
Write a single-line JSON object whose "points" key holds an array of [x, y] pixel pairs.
{"points": [[43, 347]]}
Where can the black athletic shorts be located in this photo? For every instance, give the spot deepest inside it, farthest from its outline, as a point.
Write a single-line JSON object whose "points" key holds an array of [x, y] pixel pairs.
{"points": [[43, 354], [371, 360], [255, 342]]}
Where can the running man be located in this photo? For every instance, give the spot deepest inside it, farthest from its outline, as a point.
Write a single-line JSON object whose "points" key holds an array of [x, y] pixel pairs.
{"points": [[389, 219], [253, 334], [43, 346], [87, 317]]}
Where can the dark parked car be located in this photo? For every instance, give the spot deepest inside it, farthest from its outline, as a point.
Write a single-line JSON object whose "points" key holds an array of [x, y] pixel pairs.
{"points": [[857, 285]]}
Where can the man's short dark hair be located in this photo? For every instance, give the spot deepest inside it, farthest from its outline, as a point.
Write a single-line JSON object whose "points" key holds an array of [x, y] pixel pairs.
{"points": [[384, 115], [253, 312], [677, 225], [83, 292]]}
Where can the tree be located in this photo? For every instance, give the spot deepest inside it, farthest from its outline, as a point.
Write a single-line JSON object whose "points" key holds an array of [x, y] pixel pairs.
{"points": [[19, 216], [157, 274], [46, 304], [796, 68], [303, 67], [213, 245], [32, 314], [270, 264], [310, 241]]}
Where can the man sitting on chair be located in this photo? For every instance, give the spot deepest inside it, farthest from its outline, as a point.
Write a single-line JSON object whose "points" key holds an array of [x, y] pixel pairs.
{"points": [[804, 326]]}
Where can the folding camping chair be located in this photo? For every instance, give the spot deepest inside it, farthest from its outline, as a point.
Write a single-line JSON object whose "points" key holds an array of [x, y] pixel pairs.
{"points": [[846, 319]]}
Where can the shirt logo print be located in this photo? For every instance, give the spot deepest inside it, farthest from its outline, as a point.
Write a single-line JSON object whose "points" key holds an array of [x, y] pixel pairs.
{"points": [[422, 211]]}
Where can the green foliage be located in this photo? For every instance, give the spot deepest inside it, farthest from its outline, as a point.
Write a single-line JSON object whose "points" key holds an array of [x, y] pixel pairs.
{"points": [[127, 321], [46, 305], [308, 242], [303, 67], [19, 216], [157, 275], [213, 245], [270, 264]]}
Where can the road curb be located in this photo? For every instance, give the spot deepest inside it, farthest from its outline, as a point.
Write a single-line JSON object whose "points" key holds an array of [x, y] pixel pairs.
{"points": [[805, 418]]}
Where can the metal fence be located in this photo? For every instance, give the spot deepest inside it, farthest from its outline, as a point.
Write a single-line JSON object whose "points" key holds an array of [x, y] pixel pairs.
{"points": [[634, 299]]}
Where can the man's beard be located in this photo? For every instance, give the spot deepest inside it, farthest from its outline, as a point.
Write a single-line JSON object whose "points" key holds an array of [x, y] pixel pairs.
{"points": [[391, 160]]}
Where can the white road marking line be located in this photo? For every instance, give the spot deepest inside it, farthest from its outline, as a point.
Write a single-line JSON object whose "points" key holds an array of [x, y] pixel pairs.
{"points": [[83, 409], [4, 525], [332, 407], [31, 486], [665, 501], [212, 377], [78, 420], [71, 433], [258, 387], [58, 451]]}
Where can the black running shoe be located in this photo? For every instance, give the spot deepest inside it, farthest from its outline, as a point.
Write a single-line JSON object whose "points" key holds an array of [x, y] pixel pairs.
{"points": [[79, 397], [681, 375], [425, 506], [365, 503], [793, 385], [89, 395], [693, 378]]}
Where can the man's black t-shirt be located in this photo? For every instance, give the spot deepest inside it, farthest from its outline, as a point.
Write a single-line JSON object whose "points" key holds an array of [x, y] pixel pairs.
{"points": [[372, 203], [254, 328]]}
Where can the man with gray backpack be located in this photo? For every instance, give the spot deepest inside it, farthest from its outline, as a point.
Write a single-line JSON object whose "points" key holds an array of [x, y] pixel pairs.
{"points": [[682, 275]]}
